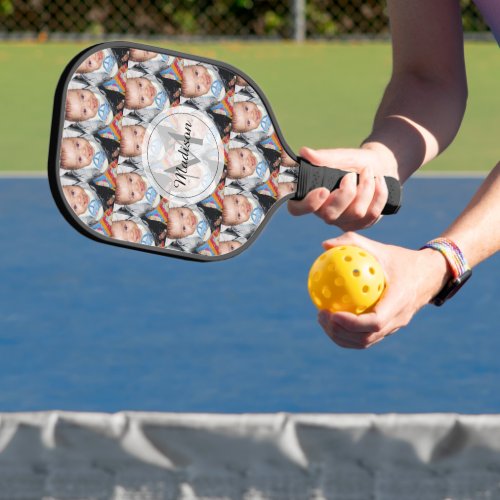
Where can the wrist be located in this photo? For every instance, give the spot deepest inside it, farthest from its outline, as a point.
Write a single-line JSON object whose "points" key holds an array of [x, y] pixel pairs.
{"points": [[437, 272], [457, 265], [386, 156]]}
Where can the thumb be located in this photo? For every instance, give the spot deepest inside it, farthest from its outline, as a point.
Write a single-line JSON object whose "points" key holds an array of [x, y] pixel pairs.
{"points": [[349, 238], [352, 159]]}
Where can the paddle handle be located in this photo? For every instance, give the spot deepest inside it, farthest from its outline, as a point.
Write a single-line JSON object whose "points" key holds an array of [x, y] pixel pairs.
{"points": [[312, 177]]}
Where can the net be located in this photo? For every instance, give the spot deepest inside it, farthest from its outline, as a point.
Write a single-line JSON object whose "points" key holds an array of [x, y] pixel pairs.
{"points": [[153, 456]]}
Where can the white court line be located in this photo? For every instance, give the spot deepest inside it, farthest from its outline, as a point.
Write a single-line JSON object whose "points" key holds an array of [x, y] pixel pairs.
{"points": [[23, 175], [454, 174]]}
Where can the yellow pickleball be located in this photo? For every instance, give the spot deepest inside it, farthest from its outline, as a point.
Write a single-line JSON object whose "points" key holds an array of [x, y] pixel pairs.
{"points": [[346, 278]]}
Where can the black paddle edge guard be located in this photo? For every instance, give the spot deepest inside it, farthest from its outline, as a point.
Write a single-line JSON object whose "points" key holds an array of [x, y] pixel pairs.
{"points": [[312, 177], [57, 124]]}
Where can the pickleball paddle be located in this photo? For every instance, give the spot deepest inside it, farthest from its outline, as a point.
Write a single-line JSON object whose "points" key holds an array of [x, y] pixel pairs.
{"points": [[171, 153]]}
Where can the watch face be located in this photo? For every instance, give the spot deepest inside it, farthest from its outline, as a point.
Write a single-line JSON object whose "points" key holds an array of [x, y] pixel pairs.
{"points": [[451, 288]]}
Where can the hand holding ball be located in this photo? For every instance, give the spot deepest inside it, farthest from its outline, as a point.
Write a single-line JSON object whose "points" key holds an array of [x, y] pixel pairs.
{"points": [[346, 278]]}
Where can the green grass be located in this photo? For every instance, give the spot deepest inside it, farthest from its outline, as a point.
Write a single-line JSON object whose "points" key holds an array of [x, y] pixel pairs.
{"points": [[323, 94]]}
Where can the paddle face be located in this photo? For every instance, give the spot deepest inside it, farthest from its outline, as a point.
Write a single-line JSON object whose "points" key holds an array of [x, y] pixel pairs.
{"points": [[164, 152]]}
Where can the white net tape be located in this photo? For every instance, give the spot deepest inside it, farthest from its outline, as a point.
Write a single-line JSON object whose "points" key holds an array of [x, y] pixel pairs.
{"points": [[154, 456]]}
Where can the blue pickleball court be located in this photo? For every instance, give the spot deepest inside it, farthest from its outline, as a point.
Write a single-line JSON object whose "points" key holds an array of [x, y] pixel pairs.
{"points": [[92, 327]]}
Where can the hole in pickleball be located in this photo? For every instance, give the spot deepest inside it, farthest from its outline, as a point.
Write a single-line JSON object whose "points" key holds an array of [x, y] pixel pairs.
{"points": [[317, 276], [339, 281], [359, 310], [331, 268], [372, 271], [327, 293], [346, 299], [348, 258], [379, 288], [366, 289], [337, 306], [356, 273], [362, 254]]}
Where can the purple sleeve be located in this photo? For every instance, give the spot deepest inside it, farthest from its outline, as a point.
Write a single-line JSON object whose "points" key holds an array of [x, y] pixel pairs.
{"points": [[490, 9]]}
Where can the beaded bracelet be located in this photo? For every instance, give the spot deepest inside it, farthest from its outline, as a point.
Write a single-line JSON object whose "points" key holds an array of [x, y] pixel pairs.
{"points": [[460, 269], [452, 254]]}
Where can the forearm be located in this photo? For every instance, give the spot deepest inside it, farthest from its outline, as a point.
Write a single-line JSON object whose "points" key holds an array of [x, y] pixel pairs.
{"points": [[424, 103], [416, 120], [477, 230]]}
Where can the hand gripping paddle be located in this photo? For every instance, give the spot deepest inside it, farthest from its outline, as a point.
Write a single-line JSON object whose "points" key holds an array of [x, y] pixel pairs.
{"points": [[170, 153]]}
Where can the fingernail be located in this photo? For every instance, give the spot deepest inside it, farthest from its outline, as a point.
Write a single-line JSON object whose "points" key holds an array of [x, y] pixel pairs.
{"points": [[323, 194]]}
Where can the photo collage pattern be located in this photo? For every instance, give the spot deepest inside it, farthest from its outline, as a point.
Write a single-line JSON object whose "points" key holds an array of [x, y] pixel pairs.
{"points": [[113, 101]]}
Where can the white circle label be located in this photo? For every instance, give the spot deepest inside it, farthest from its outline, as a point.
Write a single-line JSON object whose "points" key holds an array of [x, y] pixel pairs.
{"points": [[183, 155]]}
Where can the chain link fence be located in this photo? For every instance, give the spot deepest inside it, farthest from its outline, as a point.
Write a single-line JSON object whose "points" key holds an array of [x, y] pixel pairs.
{"points": [[283, 19]]}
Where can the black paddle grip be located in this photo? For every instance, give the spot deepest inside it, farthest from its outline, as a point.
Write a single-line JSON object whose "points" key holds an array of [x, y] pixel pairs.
{"points": [[312, 177]]}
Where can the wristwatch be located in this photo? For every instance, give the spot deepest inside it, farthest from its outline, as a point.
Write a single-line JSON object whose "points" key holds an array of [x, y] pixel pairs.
{"points": [[460, 270]]}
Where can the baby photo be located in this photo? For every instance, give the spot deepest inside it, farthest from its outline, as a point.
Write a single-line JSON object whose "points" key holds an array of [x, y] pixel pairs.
{"points": [[151, 62], [132, 141], [287, 181], [229, 243], [249, 165], [204, 84], [250, 118], [242, 160], [186, 227], [134, 192], [91, 108], [101, 66], [147, 95], [88, 200], [243, 212], [84, 156], [236, 210], [138, 230], [285, 188]]}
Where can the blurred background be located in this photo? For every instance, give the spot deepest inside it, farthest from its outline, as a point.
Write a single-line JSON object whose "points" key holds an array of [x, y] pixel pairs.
{"points": [[340, 65], [279, 19]]}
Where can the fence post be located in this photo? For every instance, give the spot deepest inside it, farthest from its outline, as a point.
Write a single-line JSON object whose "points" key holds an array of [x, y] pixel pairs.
{"points": [[299, 20]]}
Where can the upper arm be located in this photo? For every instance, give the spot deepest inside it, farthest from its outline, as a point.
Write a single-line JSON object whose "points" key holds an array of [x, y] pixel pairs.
{"points": [[427, 40]]}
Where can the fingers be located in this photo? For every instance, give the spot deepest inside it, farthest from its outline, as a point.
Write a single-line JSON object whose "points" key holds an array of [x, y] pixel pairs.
{"points": [[354, 205], [338, 200], [364, 208], [311, 203], [351, 238], [373, 212], [380, 196], [347, 332]]}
